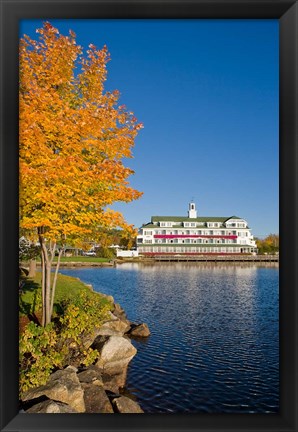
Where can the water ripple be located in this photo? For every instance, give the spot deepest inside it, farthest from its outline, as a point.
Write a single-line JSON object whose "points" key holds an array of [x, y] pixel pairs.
{"points": [[214, 335]]}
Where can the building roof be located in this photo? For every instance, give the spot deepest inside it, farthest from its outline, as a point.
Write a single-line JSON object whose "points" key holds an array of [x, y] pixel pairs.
{"points": [[186, 219]]}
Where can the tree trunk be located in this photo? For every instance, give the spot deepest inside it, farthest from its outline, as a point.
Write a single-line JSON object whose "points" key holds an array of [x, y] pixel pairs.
{"points": [[32, 268], [46, 282], [48, 291], [55, 280], [43, 289]]}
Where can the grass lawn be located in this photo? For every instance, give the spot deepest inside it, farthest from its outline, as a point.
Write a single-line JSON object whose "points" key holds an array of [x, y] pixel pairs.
{"points": [[82, 259], [67, 289], [79, 259]]}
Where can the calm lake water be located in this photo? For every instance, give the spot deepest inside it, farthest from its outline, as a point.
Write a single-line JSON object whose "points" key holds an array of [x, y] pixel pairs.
{"points": [[214, 344]]}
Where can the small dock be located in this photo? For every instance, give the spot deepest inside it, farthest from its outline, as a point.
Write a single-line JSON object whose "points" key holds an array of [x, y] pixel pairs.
{"points": [[216, 258]]}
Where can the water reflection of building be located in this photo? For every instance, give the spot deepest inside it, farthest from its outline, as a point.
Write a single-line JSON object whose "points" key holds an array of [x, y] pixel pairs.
{"points": [[195, 235]]}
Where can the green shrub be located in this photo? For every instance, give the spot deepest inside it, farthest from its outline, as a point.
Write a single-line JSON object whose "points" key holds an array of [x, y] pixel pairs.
{"points": [[43, 349]]}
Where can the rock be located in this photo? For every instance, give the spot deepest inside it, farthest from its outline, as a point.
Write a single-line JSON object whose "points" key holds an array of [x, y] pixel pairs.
{"points": [[139, 330], [99, 342], [124, 405], [63, 386], [110, 383], [88, 339], [101, 331], [108, 297], [51, 407], [96, 400], [115, 355], [115, 381], [119, 312], [112, 316], [91, 375], [114, 327]]}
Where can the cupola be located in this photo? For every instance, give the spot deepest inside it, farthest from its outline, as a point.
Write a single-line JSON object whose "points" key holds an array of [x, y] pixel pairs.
{"points": [[192, 213]]}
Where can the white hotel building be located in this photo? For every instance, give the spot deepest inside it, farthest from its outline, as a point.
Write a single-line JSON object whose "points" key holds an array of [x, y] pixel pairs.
{"points": [[195, 235]]}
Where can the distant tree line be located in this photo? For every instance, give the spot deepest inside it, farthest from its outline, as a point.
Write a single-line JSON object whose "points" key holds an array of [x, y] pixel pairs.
{"points": [[268, 245]]}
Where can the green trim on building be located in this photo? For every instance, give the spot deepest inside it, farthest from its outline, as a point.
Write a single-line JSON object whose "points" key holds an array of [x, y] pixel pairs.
{"points": [[187, 219]]}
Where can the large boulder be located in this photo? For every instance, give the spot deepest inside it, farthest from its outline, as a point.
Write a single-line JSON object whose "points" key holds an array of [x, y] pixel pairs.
{"points": [[108, 329], [96, 399], [63, 386], [92, 375], [51, 407], [124, 405], [114, 327], [115, 381], [115, 354], [139, 330]]}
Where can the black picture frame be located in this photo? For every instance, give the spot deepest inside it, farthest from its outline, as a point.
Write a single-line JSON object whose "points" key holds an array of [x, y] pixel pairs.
{"points": [[286, 11]]}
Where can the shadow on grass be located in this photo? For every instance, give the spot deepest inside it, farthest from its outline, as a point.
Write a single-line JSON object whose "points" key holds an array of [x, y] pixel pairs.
{"points": [[28, 308]]}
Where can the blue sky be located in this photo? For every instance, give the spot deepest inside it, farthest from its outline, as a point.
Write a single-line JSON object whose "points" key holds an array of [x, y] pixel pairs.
{"points": [[207, 94]]}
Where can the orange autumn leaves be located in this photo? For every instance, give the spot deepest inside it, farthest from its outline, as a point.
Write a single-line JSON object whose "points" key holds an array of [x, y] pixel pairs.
{"points": [[73, 137]]}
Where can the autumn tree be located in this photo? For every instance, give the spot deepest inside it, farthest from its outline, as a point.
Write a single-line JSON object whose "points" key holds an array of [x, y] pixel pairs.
{"points": [[73, 138], [270, 244], [128, 238]]}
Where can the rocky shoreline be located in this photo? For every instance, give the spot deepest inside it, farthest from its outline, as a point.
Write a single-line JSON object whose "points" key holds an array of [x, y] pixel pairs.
{"points": [[97, 388]]}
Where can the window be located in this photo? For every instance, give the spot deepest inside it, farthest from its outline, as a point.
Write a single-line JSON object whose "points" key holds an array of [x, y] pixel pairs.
{"points": [[193, 224]]}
